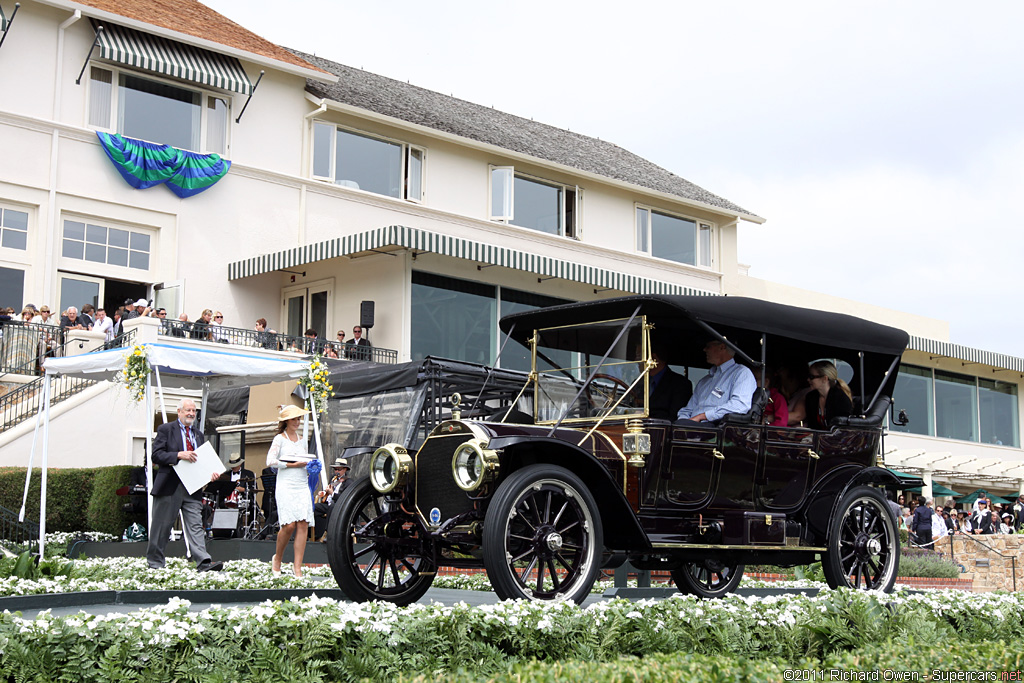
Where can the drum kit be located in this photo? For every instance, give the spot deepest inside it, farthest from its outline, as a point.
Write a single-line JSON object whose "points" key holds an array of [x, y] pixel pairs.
{"points": [[241, 507]]}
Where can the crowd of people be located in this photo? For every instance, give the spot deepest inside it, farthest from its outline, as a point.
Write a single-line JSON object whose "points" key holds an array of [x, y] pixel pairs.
{"points": [[926, 524], [208, 326]]}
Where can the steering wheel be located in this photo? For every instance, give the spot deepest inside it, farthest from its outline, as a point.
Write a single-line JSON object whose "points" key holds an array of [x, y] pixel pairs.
{"points": [[610, 394]]}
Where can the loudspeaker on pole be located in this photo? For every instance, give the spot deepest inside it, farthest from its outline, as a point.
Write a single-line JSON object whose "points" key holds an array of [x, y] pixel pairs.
{"points": [[366, 315]]}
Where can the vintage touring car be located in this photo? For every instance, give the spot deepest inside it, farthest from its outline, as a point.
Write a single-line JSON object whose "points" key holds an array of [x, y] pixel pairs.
{"points": [[576, 472]]}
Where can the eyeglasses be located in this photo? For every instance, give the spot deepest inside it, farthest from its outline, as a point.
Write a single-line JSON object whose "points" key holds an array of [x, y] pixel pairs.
{"points": [[813, 377], [219, 317]]}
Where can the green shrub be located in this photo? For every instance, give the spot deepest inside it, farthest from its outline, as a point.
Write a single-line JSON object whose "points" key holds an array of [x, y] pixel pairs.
{"points": [[928, 565], [104, 505], [68, 490]]}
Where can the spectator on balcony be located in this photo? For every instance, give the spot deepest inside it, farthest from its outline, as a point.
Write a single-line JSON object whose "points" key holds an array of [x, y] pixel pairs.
{"points": [[44, 317], [265, 338], [27, 314], [201, 327], [161, 315], [103, 324], [311, 344], [341, 344], [182, 327], [71, 321], [359, 347], [88, 311], [217, 332], [132, 310]]}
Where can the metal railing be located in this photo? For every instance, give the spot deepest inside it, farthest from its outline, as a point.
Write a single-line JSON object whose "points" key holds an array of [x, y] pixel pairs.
{"points": [[275, 341], [20, 533], [23, 402], [23, 346]]}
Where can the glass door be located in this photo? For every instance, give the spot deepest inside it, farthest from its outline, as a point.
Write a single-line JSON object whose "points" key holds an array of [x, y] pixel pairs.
{"points": [[169, 295], [308, 307], [79, 290]]}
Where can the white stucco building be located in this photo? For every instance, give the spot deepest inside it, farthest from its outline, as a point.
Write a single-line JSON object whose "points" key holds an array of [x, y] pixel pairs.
{"points": [[347, 187]]}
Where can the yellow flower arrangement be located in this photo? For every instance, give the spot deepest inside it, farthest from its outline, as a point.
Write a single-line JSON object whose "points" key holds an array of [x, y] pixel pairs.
{"points": [[134, 373], [317, 382]]}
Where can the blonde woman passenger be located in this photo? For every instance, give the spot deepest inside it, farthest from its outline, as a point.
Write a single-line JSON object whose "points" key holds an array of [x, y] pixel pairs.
{"points": [[830, 397], [289, 455]]}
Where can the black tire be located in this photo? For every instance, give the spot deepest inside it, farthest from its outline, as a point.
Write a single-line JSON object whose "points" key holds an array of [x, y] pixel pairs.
{"points": [[362, 531], [863, 544], [708, 579], [543, 522]]}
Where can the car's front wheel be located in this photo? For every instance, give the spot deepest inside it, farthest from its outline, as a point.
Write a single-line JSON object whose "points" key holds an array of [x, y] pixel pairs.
{"points": [[708, 579], [376, 550], [863, 544], [542, 536]]}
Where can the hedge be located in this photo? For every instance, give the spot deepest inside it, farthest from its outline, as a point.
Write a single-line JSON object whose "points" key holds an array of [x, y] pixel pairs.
{"points": [[77, 498]]}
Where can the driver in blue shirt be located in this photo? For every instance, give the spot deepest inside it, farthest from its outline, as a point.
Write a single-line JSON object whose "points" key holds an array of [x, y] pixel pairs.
{"points": [[727, 388]]}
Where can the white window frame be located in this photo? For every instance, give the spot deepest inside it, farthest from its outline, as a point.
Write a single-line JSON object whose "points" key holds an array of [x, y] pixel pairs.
{"points": [[12, 252], [506, 212], [407, 150], [306, 290], [700, 225], [205, 94], [107, 270]]}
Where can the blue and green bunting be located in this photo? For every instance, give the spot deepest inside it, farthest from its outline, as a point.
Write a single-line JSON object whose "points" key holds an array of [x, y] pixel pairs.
{"points": [[145, 164]]}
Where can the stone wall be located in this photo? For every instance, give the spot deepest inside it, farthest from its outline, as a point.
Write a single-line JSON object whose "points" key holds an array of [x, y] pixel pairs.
{"points": [[984, 564]]}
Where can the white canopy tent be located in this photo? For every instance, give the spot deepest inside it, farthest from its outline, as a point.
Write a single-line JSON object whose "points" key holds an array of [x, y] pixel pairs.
{"points": [[191, 368]]}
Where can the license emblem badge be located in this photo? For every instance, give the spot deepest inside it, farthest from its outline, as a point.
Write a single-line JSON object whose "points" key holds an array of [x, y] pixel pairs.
{"points": [[435, 516]]}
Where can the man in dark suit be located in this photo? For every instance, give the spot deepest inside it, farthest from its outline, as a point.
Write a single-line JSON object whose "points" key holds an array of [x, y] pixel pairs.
{"points": [[322, 510], [670, 391], [177, 441], [358, 347], [236, 480]]}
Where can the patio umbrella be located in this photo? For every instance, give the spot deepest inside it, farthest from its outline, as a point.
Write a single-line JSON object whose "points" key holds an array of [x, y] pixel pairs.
{"points": [[937, 490], [982, 493]]}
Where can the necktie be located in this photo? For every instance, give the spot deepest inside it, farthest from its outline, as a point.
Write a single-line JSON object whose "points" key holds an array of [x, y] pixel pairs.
{"points": [[188, 439]]}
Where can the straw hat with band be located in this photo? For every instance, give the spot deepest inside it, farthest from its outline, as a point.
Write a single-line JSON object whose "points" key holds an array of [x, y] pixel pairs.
{"points": [[341, 462], [235, 460], [290, 411]]}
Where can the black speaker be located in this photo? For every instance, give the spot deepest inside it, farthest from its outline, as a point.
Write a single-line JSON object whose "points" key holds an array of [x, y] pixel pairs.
{"points": [[366, 315]]}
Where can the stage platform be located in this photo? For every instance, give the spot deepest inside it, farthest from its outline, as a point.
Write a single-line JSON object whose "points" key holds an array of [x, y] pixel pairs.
{"points": [[221, 549]]}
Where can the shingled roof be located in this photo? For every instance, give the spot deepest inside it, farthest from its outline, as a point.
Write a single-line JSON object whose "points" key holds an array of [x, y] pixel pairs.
{"points": [[413, 104], [195, 19]]}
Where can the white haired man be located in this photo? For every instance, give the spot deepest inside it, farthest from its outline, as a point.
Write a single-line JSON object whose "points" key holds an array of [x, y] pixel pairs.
{"points": [[177, 441]]}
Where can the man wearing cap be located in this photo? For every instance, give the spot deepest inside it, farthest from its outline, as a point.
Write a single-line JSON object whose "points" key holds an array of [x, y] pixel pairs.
{"points": [[132, 309], [322, 510], [177, 441], [244, 480], [727, 388]]}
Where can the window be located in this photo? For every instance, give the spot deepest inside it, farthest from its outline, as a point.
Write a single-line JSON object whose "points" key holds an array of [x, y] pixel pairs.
{"points": [[12, 288], [158, 111], [956, 406], [536, 204], [365, 162], [516, 356], [453, 318], [676, 238], [914, 394], [998, 412], [111, 246], [13, 229]]}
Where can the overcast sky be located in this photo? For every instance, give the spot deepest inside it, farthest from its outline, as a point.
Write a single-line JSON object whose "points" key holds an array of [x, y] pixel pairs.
{"points": [[882, 141]]}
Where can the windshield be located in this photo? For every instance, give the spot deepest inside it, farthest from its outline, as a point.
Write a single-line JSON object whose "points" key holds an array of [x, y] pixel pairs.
{"points": [[618, 386]]}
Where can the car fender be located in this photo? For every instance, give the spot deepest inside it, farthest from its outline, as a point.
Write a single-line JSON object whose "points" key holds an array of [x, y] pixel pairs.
{"points": [[622, 530], [825, 496]]}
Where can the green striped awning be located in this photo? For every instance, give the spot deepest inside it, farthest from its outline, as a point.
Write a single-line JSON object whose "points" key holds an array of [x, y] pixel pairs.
{"points": [[968, 354], [398, 236], [171, 58]]}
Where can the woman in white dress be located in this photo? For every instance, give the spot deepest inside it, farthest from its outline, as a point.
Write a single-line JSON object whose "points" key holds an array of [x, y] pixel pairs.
{"points": [[288, 453]]}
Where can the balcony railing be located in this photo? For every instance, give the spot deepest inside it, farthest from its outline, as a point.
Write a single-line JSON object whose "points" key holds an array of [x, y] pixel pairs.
{"points": [[274, 341]]}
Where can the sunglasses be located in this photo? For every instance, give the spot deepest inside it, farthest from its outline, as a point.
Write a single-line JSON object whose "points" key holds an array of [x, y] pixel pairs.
{"points": [[219, 317], [810, 377]]}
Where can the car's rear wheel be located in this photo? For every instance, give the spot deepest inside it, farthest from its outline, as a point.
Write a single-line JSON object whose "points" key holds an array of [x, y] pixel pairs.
{"points": [[376, 551], [863, 544], [708, 579], [542, 536]]}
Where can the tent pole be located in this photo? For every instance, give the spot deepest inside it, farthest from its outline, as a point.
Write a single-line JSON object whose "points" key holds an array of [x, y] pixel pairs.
{"points": [[319, 449], [184, 536], [206, 396], [160, 391], [31, 459], [148, 457], [46, 445]]}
